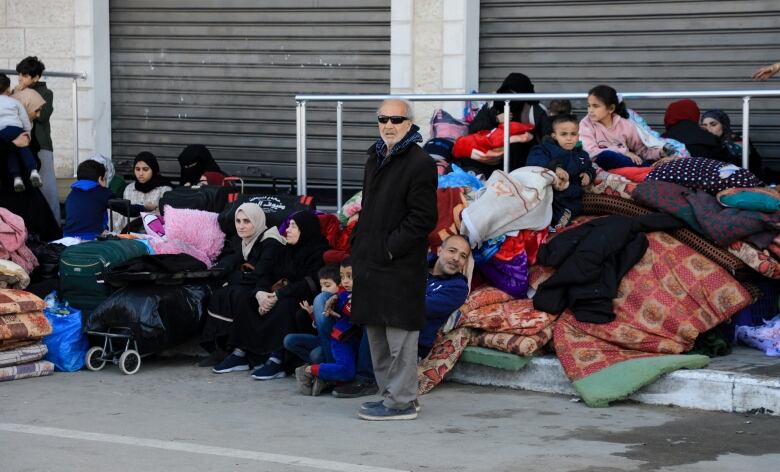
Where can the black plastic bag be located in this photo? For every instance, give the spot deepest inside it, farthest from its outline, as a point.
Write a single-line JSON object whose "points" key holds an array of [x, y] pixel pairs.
{"points": [[159, 316]]}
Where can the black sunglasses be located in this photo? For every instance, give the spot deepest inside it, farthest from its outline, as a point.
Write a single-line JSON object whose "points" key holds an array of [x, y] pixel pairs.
{"points": [[396, 120]]}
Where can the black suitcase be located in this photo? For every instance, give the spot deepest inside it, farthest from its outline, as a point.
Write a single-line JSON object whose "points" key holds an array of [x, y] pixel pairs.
{"points": [[276, 208], [211, 198]]}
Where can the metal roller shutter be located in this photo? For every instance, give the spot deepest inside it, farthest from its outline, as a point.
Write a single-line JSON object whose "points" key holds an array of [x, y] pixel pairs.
{"points": [[639, 45], [224, 73]]}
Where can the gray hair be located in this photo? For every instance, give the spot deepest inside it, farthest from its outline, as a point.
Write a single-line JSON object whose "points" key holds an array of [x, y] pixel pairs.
{"points": [[407, 104]]}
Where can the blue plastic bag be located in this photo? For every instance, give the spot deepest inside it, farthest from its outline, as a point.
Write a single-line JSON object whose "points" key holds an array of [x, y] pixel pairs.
{"points": [[459, 178], [67, 344]]}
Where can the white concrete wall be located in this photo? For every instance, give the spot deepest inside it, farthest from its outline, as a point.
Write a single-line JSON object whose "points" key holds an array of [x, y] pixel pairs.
{"points": [[62, 34], [434, 49]]}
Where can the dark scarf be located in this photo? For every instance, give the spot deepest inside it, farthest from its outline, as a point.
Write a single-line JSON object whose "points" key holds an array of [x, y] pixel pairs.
{"points": [[411, 137], [727, 138], [195, 160], [157, 180], [515, 83], [310, 241]]}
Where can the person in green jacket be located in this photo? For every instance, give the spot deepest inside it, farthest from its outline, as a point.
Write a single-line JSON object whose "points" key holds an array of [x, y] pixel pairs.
{"points": [[30, 71]]}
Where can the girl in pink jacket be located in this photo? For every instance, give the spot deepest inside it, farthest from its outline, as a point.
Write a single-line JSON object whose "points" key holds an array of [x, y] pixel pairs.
{"points": [[609, 137]]}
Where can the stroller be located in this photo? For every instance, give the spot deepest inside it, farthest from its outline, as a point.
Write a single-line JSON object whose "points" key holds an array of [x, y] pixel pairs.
{"points": [[159, 305]]}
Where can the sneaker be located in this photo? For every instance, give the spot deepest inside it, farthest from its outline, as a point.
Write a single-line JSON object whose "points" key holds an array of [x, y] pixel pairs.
{"points": [[367, 406], [318, 386], [355, 389], [305, 380], [272, 369], [213, 358], [231, 363], [18, 184], [382, 413], [35, 179]]}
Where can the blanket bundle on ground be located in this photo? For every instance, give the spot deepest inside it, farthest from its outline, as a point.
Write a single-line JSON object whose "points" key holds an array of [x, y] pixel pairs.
{"points": [[12, 275], [489, 318], [22, 326], [702, 212], [450, 203], [663, 303], [13, 235], [519, 200], [477, 145]]}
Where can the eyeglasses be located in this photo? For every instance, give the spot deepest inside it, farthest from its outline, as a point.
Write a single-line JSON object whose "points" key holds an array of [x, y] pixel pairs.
{"points": [[396, 120]]}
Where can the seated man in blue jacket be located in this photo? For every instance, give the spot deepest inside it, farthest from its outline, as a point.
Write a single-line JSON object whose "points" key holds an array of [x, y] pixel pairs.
{"points": [[446, 290]]}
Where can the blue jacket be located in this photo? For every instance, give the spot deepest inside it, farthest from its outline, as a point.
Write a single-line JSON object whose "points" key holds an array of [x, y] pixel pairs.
{"points": [[85, 209], [443, 295], [576, 162]]}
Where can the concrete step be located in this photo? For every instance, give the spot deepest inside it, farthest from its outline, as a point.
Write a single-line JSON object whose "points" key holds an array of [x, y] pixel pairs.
{"points": [[745, 381]]}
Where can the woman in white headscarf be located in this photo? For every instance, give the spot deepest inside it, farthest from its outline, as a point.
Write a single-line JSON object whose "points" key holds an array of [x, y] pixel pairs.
{"points": [[248, 268]]}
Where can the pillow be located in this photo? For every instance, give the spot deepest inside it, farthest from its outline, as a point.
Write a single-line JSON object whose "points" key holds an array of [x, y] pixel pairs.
{"points": [[197, 228], [756, 199]]}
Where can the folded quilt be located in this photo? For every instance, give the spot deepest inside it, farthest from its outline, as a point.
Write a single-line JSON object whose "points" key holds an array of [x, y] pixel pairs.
{"points": [[32, 369], [18, 301], [490, 318], [23, 355], [22, 326]]}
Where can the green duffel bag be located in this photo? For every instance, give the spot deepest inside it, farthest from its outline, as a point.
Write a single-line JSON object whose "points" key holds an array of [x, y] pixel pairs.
{"points": [[81, 264]]}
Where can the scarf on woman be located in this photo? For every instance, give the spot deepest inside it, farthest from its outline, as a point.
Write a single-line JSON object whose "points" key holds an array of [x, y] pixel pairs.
{"points": [[256, 215], [681, 110], [310, 240], [30, 99], [195, 160], [516, 83], [727, 137], [156, 180]]}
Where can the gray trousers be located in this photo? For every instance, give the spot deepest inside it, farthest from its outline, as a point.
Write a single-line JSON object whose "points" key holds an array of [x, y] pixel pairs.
{"points": [[49, 188], [394, 355]]}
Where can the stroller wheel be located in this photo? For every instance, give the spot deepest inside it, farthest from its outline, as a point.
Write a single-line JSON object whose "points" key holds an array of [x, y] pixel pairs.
{"points": [[94, 358], [130, 362]]}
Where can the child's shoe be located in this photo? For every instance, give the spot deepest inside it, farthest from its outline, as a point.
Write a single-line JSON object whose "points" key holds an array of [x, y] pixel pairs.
{"points": [[35, 179], [305, 380], [18, 184], [318, 386]]}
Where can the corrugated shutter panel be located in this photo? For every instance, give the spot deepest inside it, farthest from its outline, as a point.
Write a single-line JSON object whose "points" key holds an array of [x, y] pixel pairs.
{"points": [[641, 45], [224, 74]]}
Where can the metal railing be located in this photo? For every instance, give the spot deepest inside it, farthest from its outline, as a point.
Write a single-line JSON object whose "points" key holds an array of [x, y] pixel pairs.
{"points": [[301, 100], [74, 76]]}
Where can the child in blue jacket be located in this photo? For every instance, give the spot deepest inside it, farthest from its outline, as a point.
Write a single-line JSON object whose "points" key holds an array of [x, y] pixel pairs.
{"points": [[87, 202], [560, 152], [344, 342]]}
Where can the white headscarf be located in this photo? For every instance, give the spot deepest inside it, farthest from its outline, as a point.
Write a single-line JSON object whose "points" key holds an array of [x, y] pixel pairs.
{"points": [[256, 215]]}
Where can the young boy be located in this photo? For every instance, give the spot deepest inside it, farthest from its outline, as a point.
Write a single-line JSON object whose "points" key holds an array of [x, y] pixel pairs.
{"points": [[316, 348], [560, 153], [30, 70], [87, 202], [344, 342], [14, 121]]}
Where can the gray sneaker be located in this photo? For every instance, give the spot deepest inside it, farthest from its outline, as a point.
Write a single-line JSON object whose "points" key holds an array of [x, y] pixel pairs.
{"points": [[305, 380], [382, 413]]}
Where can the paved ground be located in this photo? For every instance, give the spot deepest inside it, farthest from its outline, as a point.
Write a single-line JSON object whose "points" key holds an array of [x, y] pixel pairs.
{"points": [[173, 416]]}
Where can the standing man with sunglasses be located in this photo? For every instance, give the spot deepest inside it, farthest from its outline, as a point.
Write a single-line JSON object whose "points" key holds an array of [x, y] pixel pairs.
{"points": [[389, 246]]}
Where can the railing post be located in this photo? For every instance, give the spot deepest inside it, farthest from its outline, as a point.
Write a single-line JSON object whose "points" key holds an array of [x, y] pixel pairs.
{"points": [[339, 154], [75, 107], [300, 120], [506, 135], [746, 132]]}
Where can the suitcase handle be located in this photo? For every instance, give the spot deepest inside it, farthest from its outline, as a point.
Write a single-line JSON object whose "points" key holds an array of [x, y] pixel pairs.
{"points": [[230, 182]]}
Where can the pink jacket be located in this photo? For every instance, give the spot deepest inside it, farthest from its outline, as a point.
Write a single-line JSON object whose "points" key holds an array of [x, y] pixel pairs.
{"points": [[13, 234], [622, 136]]}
